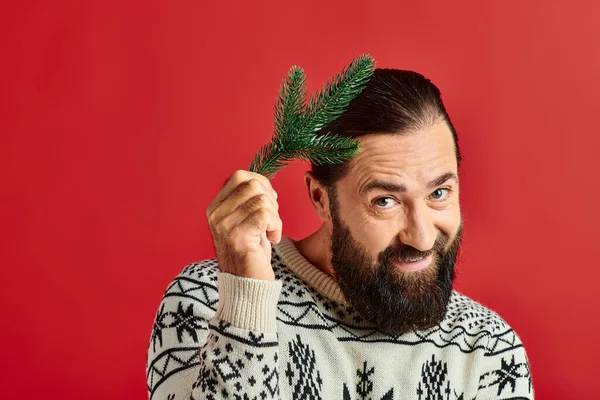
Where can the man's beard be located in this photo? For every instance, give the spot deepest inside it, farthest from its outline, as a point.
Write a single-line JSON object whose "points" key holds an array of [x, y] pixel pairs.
{"points": [[395, 301]]}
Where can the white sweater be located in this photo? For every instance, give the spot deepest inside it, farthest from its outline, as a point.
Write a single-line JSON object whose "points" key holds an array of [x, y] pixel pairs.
{"points": [[219, 336]]}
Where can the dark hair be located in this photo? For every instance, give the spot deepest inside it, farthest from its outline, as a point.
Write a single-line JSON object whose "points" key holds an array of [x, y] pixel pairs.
{"points": [[393, 101]]}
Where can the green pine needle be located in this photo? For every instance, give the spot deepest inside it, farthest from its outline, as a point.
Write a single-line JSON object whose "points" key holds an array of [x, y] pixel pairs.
{"points": [[335, 95], [290, 103], [297, 120], [329, 149]]}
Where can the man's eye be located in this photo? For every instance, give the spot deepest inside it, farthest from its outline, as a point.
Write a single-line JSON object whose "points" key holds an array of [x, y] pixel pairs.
{"points": [[440, 194], [383, 202]]}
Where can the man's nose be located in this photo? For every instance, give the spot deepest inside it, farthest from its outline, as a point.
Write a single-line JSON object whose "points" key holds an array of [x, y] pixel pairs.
{"points": [[419, 230]]}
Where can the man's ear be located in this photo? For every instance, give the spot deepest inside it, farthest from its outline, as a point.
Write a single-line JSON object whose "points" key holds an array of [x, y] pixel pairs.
{"points": [[318, 196]]}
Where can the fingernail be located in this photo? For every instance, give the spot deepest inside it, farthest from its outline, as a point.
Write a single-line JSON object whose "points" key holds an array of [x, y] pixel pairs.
{"points": [[275, 194]]}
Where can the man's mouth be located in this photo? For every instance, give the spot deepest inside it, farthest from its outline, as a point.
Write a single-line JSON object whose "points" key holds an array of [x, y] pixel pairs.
{"points": [[413, 264]]}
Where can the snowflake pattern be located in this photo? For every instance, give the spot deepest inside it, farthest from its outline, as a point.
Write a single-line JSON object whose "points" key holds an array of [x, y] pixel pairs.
{"points": [[506, 376]]}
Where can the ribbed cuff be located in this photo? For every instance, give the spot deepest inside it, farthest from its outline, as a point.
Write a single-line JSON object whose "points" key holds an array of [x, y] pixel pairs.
{"points": [[247, 303]]}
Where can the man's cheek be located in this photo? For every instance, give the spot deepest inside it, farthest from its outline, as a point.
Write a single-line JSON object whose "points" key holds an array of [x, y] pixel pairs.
{"points": [[374, 237]]}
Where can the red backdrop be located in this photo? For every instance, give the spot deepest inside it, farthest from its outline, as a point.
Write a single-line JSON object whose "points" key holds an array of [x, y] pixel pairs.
{"points": [[120, 121]]}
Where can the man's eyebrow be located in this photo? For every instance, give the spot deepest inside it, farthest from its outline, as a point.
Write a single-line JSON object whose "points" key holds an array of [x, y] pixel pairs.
{"points": [[394, 187], [441, 179], [377, 184]]}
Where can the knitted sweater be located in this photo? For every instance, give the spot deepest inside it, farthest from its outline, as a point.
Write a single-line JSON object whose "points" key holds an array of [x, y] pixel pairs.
{"points": [[219, 336]]}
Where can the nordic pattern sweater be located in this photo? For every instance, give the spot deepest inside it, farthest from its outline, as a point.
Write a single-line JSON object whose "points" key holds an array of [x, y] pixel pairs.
{"points": [[219, 336]]}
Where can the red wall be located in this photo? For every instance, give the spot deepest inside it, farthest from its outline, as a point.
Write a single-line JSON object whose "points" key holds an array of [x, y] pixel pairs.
{"points": [[119, 123]]}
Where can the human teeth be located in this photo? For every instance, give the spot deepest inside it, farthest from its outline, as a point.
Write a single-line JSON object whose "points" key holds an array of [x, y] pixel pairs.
{"points": [[414, 259]]}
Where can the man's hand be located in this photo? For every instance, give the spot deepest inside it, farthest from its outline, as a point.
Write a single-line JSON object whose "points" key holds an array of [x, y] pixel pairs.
{"points": [[244, 221]]}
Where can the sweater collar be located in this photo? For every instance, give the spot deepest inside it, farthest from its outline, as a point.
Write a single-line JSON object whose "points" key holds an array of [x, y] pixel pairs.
{"points": [[307, 271]]}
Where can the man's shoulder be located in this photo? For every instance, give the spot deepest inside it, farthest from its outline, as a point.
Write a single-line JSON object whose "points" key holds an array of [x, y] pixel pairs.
{"points": [[197, 281], [201, 271], [470, 314], [479, 323]]}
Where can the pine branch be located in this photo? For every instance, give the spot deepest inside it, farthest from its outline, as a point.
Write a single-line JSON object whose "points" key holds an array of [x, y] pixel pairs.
{"points": [[335, 95], [325, 149], [290, 104], [328, 149], [296, 120], [288, 112]]}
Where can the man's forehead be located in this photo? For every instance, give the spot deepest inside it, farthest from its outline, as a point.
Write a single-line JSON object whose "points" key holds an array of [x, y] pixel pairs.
{"points": [[429, 137], [421, 154]]}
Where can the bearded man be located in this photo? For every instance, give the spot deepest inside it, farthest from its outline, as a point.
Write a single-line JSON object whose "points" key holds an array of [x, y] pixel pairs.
{"points": [[364, 307]]}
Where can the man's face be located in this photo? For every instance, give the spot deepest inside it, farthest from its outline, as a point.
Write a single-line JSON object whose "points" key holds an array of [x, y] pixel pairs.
{"points": [[396, 228]]}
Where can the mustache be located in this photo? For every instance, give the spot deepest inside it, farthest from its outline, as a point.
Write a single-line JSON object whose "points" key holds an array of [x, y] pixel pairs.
{"points": [[405, 253]]}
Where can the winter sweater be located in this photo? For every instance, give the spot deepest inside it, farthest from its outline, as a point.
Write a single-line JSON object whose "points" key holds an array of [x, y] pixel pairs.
{"points": [[220, 336]]}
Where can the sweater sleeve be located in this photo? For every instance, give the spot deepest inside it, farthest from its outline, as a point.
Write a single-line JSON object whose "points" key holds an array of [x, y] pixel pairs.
{"points": [[199, 351], [506, 373]]}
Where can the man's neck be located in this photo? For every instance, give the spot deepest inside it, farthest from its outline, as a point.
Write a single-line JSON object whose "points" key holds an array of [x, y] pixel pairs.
{"points": [[316, 249]]}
